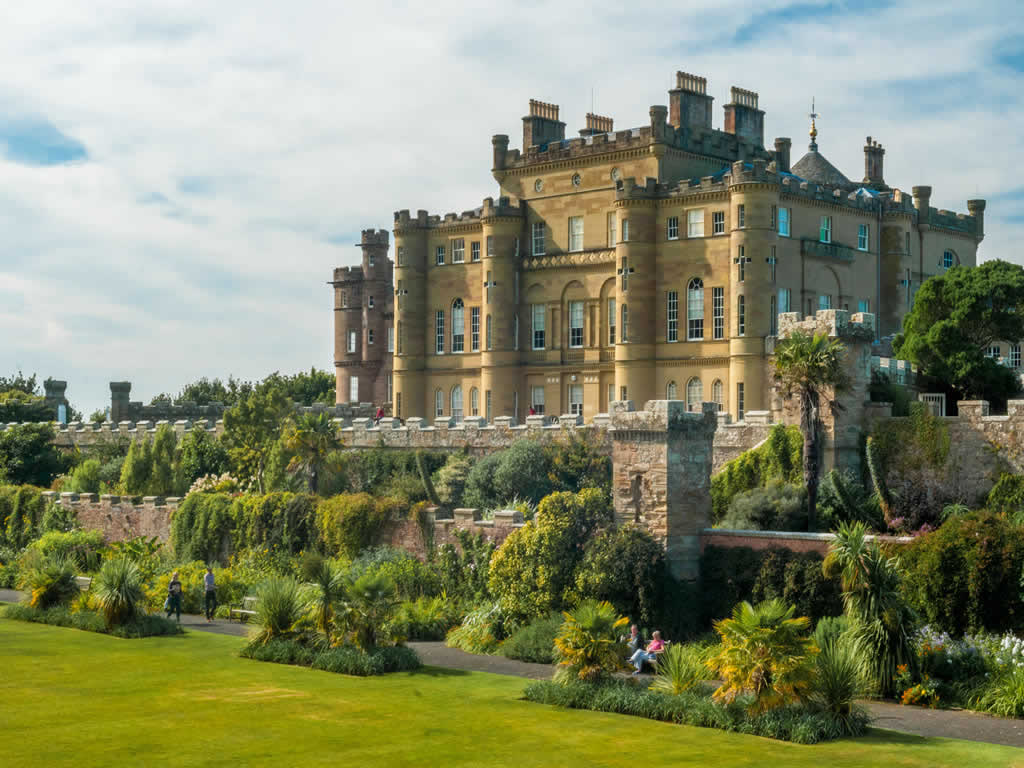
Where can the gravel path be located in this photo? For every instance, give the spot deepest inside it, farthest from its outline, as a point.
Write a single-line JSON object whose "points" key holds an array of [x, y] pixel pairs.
{"points": [[952, 724]]}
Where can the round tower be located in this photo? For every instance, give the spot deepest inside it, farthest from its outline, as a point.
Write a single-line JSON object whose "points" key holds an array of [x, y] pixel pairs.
{"points": [[499, 359], [411, 321], [348, 333], [635, 291], [752, 292]]}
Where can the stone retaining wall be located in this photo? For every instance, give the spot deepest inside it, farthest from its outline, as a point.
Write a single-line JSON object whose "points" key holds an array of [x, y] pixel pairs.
{"points": [[794, 541], [119, 517]]}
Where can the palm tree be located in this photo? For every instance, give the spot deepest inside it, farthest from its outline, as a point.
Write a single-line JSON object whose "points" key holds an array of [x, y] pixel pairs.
{"points": [[811, 368], [370, 603], [310, 439], [587, 645], [328, 582]]}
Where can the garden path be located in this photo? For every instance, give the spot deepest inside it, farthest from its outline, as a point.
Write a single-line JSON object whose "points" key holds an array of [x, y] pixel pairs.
{"points": [[951, 724]]}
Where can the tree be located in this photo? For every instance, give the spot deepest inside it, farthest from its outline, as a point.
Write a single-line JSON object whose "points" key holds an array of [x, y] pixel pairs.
{"points": [[201, 454], [250, 430], [19, 383], [310, 439], [28, 456], [811, 368], [164, 455], [137, 468], [956, 317], [18, 406]]}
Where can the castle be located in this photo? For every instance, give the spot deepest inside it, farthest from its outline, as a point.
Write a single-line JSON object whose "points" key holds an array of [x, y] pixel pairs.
{"points": [[644, 264]]}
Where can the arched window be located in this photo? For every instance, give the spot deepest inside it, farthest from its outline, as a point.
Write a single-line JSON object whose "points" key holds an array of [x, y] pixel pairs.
{"points": [[671, 392], [438, 403], [695, 309], [949, 259], [457, 403], [458, 326], [474, 402], [718, 394], [694, 395]]}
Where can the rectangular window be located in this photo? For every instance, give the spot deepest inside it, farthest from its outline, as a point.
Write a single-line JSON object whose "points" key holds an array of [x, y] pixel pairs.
{"points": [[862, 237], [784, 300], [774, 216], [474, 402], [863, 305], [401, 255], [369, 335], [993, 351], [622, 393], [611, 395], [537, 400], [825, 233], [490, 245], [439, 332], [369, 302], [575, 324], [695, 223], [739, 401], [474, 250], [771, 264], [489, 336], [741, 315], [439, 257], [611, 230], [538, 238], [624, 271], [825, 301], [672, 228], [458, 250], [353, 389], [718, 313], [391, 338], [741, 260], [400, 293], [458, 327], [438, 403], [351, 341], [487, 285], [538, 325], [718, 223], [672, 313], [515, 332], [575, 233], [741, 216], [487, 405], [391, 389], [1015, 355], [611, 321], [474, 329], [774, 315], [370, 259], [625, 230], [625, 324], [576, 399], [398, 405], [401, 336], [784, 222]]}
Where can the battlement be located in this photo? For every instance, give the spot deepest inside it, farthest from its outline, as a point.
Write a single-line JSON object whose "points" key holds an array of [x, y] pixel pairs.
{"points": [[743, 98], [375, 237], [691, 83], [835, 323], [424, 220], [348, 275], [543, 109]]}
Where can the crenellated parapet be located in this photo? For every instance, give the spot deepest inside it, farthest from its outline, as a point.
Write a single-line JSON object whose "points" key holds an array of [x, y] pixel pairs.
{"points": [[491, 208]]}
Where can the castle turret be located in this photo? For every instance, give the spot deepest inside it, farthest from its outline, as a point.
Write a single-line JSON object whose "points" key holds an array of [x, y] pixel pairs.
{"points": [[874, 156], [977, 210], [411, 321], [120, 397]]}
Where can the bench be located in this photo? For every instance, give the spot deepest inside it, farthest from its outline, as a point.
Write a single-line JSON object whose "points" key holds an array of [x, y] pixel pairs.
{"points": [[657, 654], [84, 582], [243, 610]]}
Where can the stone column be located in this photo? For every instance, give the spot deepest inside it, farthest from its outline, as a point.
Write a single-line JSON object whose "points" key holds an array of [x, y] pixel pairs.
{"points": [[661, 459]]}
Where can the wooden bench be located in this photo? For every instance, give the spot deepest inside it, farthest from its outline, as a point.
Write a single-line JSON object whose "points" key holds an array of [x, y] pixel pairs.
{"points": [[243, 611], [84, 582], [652, 665]]}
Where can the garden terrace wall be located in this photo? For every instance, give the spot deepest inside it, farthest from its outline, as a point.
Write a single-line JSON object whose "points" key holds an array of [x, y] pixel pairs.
{"points": [[407, 534], [120, 517], [791, 540]]}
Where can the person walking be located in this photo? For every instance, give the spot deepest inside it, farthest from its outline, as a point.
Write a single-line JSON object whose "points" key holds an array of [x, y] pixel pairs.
{"points": [[210, 591], [174, 597]]}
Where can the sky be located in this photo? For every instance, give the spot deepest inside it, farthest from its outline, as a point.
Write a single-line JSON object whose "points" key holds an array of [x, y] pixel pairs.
{"points": [[179, 178]]}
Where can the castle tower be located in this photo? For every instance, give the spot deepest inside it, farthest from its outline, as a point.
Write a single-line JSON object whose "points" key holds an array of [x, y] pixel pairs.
{"points": [[752, 242], [411, 321], [499, 359], [636, 290]]}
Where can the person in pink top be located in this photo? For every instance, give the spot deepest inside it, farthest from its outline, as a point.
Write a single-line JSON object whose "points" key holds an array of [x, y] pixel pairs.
{"points": [[649, 654]]}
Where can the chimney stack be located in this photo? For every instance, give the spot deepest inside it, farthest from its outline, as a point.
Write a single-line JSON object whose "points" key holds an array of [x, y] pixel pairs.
{"points": [[782, 147], [597, 124], [873, 156], [689, 103], [542, 124], [743, 118]]}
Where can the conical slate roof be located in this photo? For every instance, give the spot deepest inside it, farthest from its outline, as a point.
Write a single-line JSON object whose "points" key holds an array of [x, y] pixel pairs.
{"points": [[814, 167]]}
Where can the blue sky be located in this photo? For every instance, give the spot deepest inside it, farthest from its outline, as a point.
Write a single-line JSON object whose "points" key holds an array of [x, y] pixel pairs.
{"points": [[178, 179]]}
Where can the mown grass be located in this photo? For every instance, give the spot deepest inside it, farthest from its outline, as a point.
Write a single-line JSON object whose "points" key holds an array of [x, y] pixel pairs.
{"points": [[83, 699]]}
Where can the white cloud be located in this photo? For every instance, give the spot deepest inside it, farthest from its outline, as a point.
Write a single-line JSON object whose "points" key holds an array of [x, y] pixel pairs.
{"points": [[294, 123]]}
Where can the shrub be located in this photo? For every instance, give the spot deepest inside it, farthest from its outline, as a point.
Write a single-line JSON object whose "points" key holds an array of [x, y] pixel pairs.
{"points": [[626, 567], [579, 462], [83, 550], [49, 581], [232, 585], [328, 586], [964, 577], [28, 455], [481, 631], [533, 570], [406, 489], [201, 454], [349, 523], [343, 659], [286, 521], [426, 618], [451, 479], [480, 491], [369, 604], [779, 457], [280, 609], [463, 570], [412, 577], [118, 591], [587, 645], [838, 680], [681, 667], [21, 513], [1004, 695], [85, 478], [201, 527], [536, 641], [765, 653], [522, 471], [1007, 498], [776, 507]]}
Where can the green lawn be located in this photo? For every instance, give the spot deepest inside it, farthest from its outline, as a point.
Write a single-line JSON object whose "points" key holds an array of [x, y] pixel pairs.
{"points": [[76, 698]]}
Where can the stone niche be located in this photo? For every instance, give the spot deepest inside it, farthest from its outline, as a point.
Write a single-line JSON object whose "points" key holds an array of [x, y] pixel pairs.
{"points": [[661, 465]]}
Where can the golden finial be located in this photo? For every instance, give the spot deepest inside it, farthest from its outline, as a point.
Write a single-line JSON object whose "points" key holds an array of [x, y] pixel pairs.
{"points": [[814, 130]]}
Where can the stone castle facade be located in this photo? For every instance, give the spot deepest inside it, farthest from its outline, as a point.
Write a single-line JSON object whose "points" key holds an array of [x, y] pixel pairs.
{"points": [[644, 264]]}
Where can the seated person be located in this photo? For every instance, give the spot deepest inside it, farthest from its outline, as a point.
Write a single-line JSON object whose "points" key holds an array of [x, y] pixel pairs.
{"points": [[650, 654], [634, 642]]}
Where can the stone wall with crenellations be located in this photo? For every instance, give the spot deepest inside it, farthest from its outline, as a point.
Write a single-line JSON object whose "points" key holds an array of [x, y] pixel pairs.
{"points": [[120, 517]]}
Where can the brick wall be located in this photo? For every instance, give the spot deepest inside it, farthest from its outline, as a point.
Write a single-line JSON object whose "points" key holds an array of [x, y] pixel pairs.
{"points": [[796, 542], [119, 517]]}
